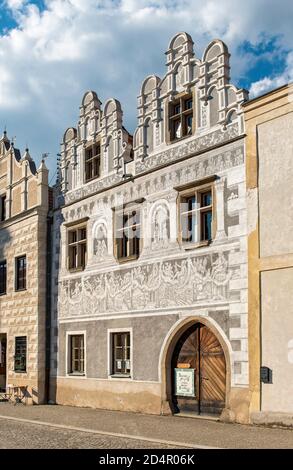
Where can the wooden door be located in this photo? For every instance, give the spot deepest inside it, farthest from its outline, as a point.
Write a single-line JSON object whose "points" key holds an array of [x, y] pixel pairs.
{"points": [[199, 349], [212, 372]]}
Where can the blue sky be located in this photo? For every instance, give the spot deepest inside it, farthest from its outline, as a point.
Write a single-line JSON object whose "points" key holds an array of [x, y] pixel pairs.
{"points": [[52, 51]]}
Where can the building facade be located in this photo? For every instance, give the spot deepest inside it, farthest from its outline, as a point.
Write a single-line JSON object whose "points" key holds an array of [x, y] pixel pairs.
{"points": [[149, 265], [269, 125], [23, 278]]}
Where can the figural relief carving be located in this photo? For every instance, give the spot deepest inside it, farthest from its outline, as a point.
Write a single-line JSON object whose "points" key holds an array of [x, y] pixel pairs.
{"points": [[163, 284]]}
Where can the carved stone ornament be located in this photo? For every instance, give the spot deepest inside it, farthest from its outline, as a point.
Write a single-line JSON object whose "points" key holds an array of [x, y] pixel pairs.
{"points": [[156, 285]]}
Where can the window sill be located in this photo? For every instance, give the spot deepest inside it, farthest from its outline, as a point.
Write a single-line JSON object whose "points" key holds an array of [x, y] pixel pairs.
{"points": [[3, 293], [76, 270], [20, 371], [20, 290], [173, 141], [128, 258], [120, 376], [194, 246], [75, 374]]}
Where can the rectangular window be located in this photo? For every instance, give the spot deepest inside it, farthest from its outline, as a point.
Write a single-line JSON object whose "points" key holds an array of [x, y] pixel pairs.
{"points": [[196, 215], [20, 354], [2, 208], [127, 236], [181, 118], [76, 349], [92, 162], [121, 354], [77, 248], [3, 277], [20, 268]]}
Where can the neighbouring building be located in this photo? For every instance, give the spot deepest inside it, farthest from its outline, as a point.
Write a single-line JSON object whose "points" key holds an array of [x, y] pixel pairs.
{"points": [[149, 262], [23, 264], [269, 127]]}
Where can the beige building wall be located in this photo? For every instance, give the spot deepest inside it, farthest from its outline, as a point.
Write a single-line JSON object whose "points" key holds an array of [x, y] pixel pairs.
{"points": [[269, 145], [24, 232]]}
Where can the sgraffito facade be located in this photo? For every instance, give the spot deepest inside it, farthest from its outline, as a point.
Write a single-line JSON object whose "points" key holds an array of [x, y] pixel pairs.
{"points": [[150, 247]]}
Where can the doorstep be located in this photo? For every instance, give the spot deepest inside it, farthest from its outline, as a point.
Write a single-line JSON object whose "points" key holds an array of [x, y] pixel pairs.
{"points": [[196, 416]]}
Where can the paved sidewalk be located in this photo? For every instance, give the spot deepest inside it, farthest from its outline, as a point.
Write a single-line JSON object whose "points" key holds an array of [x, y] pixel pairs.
{"points": [[192, 431]]}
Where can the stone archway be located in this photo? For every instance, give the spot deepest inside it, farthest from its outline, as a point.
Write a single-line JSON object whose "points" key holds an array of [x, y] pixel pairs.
{"points": [[167, 352]]}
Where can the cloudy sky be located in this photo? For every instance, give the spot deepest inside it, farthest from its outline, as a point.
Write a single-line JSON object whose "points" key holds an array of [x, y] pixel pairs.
{"points": [[52, 51]]}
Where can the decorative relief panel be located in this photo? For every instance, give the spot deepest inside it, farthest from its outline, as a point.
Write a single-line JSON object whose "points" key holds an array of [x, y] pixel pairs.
{"points": [[208, 166], [174, 153], [173, 283]]}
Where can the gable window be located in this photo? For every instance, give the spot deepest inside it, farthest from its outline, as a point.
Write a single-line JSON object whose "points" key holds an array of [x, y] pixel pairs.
{"points": [[76, 354], [121, 362], [181, 117], [20, 354], [20, 273], [92, 162], [2, 208], [77, 247], [196, 215], [127, 233], [3, 277]]}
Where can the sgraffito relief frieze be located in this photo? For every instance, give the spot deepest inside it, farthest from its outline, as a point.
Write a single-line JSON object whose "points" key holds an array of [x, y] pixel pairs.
{"points": [[196, 145], [204, 167], [173, 283]]}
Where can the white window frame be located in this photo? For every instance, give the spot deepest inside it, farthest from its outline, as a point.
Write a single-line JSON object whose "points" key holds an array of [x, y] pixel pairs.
{"points": [[68, 354], [110, 332]]}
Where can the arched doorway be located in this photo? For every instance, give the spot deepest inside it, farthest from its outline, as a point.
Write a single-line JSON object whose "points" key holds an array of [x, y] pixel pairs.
{"points": [[198, 370]]}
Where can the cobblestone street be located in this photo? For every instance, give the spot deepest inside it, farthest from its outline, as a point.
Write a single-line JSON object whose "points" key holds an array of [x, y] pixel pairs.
{"points": [[60, 427], [15, 435]]}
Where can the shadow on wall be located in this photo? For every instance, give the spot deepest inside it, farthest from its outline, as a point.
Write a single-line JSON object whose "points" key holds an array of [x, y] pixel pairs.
{"points": [[55, 222]]}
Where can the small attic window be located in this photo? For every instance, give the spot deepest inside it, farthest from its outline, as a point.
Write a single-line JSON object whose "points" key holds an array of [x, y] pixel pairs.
{"points": [[181, 118], [92, 162]]}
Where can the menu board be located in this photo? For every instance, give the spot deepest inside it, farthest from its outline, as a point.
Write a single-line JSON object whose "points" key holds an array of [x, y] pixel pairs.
{"points": [[184, 382]]}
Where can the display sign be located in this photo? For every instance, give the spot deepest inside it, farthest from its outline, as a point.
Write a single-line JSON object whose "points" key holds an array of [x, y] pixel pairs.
{"points": [[184, 382]]}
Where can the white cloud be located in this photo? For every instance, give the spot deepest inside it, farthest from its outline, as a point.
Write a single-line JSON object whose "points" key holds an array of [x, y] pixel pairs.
{"points": [[110, 46], [15, 4], [268, 83]]}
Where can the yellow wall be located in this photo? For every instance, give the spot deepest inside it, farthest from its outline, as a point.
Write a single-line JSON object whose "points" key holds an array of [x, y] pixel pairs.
{"points": [[268, 127]]}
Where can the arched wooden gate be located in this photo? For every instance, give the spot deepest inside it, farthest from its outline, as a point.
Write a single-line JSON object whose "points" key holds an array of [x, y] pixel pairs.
{"points": [[198, 372]]}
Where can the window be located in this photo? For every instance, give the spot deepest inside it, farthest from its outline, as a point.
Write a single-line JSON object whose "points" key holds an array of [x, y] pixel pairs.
{"points": [[2, 208], [121, 354], [196, 215], [3, 277], [77, 248], [181, 118], [20, 273], [76, 349], [20, 354], [92, 162], [127, 236]]}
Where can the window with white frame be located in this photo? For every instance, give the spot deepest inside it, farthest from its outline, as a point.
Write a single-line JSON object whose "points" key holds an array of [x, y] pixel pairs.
{"points": [[77, 247], [127, 233], [76, 348], [121, 353], [196, 215]]}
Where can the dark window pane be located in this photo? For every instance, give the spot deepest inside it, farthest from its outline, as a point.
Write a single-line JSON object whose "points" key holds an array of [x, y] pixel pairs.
{"points": [[188, 125], [206, 222], [77, 354], [206, 199], [20, 354], [121, 353], [2, 208], [188, 104], [21, 273], [3, 277]]}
